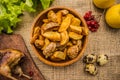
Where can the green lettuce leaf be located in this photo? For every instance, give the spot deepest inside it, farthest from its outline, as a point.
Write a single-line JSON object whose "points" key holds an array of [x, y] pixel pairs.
{"points": [[46, 3]]}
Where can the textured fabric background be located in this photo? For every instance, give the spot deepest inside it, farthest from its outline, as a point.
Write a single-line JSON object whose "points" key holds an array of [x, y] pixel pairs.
{"points": [[106, 40]]}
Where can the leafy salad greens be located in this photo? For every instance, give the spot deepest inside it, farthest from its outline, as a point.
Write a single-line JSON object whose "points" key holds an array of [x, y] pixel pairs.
{"points": [[10, 10]]}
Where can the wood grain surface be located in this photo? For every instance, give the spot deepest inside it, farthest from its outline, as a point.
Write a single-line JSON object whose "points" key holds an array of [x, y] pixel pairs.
{"points": [[15, 41]]}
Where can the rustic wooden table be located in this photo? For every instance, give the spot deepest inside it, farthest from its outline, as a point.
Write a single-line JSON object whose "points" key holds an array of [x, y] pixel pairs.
{"points": [[106, 40]]}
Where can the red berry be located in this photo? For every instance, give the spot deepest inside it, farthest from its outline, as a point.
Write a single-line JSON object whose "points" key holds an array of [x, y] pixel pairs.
{"points": [[91, 22], [31, 73], [88, 23]]}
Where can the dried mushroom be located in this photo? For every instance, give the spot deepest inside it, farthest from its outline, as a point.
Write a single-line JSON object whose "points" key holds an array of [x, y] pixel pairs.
{"points": [[60, 37]]}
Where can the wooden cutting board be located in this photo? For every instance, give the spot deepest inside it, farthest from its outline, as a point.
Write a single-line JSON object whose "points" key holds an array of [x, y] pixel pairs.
{"points": [[15, 41]]}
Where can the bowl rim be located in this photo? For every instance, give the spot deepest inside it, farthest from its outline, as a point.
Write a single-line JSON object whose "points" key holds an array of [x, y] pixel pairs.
{"points": [[63, 63]]}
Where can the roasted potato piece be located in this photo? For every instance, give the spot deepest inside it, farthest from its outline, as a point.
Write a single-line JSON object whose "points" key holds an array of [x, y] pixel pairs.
{"points": [[49, 50], [50, 25], [75, 36], [59, 17], [37, 30], [54, 36], [46, 20], [76, 22], [41, 37], [64, 38], [76, 29], [74, 42], [79, 44], [85, 31], [42, 28], [39, 43], [65, 23], [58, 55], [46, 42], [52, 16], [72, 51], [64, 12], [69, 44], [35, 36]]}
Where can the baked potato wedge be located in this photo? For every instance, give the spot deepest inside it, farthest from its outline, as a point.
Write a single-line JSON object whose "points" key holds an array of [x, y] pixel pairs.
{"points": [[76, 29], [65, 23], [76, 21], [39, 43], [52, 16], [85, 31], [58, 55], [75, 36], [64, 38], [59, 17], [53, 36], [46, 43]]}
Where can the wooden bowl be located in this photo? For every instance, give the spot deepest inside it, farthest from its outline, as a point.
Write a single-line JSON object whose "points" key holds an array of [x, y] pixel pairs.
{"points": [[38, 22]]}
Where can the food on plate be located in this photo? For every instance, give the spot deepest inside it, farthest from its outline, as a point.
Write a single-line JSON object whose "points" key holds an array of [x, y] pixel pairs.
{"points": [[64, 38], [48, 51], [39, 43], [75, 36], [91, 69], [47, 42], [61, 36], [9, 62], [72, 51], [52, 16], [75, 21], [90, 58], [35, 34], [58, 55], [76, 29], [102, 59], [49, 26], [65, 23], [112, 16], [103, 4], [54, 36]]}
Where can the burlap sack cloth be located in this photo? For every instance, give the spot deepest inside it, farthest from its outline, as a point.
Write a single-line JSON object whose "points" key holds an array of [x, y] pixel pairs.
{"points": [[105, 41]]}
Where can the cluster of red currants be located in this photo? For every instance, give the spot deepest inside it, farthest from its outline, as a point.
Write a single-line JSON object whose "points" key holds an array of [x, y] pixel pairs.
{"points": [[93, 24]]}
